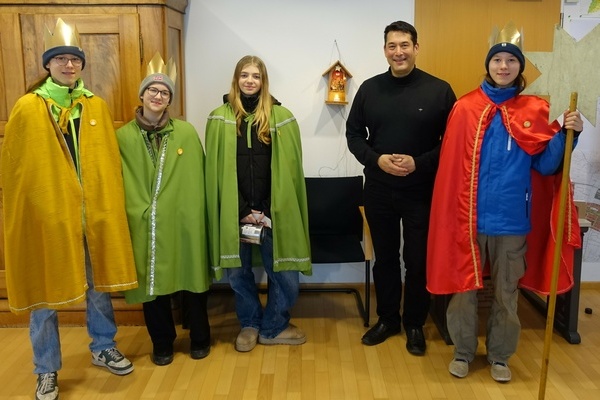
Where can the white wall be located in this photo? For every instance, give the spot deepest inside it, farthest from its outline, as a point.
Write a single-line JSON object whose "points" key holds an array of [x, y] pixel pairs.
{"points": [[297, 42]]}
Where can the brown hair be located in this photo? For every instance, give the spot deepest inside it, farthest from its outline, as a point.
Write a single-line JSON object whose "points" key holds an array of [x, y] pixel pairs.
{"points": [[265, 101], [38, 83]]}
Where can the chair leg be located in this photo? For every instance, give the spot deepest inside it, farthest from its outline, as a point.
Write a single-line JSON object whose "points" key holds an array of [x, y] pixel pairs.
{"points": [[367, 292]]}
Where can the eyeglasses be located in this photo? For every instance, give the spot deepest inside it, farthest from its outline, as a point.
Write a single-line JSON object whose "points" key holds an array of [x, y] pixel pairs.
{"points": [[62, 61], [165, 94]]}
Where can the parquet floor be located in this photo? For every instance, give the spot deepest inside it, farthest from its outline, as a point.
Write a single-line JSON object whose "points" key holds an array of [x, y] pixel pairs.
{"points": [[331, 365]]}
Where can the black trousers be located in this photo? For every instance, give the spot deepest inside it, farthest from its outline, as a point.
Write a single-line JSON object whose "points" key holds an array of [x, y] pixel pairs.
{"points": [[386, 209], [161, 326]]}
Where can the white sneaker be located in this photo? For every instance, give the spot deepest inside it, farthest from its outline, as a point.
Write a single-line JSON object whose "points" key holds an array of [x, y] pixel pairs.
{"points": [[500, 372], [459, 367], [113, 360], [47, 386]]}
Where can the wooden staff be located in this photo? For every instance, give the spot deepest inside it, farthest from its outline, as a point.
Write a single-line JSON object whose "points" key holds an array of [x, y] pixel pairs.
{"points": [[564, 191]]}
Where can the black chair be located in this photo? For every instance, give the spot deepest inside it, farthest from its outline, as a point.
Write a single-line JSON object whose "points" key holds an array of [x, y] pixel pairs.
{"points": [[338, 230]]}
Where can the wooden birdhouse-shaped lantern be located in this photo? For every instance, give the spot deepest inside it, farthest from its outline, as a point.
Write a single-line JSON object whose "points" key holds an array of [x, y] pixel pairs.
{"points": [[337, 76]]}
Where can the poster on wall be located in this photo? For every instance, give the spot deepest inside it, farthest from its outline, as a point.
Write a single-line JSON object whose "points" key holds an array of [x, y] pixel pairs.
{"points": [[581, 19], [590, 8]]}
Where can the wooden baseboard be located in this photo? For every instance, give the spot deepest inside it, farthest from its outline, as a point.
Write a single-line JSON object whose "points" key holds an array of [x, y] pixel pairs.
{"points": [[590, 285], [125, 314]]}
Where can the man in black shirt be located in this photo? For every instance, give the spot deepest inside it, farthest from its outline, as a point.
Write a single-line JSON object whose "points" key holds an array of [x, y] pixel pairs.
{"points": [[394, 129]]}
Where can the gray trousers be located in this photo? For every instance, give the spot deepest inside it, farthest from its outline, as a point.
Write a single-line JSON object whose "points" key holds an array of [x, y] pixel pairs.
{"points": [[506, 256]]}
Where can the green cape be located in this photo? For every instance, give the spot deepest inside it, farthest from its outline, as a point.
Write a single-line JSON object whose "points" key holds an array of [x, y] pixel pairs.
{"points": [[166, 210], [289, 211]]}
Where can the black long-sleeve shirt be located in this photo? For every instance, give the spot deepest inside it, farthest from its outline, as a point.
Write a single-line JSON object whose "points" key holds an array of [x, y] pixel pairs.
{"points": [[403, 116]]}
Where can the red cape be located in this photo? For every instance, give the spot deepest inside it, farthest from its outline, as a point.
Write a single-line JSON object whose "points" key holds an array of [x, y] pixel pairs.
{"points": [[453, 260]]}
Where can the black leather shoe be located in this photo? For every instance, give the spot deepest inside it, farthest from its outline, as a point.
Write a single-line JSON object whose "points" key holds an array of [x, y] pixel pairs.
{"points": [[199, 353], [415, 341], [379, 333], [162, 358]]}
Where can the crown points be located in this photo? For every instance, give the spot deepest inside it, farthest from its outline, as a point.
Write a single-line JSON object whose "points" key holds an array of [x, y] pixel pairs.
{"points": [[508, 34], [157, 66], [63, 35]]}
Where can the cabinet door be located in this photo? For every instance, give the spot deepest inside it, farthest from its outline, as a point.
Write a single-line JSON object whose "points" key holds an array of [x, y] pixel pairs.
{"points": [[12, 79], [12, 74]]}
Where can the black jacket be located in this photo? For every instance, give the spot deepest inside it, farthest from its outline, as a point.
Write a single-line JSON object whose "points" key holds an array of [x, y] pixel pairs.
{"points": [[253, 167]]}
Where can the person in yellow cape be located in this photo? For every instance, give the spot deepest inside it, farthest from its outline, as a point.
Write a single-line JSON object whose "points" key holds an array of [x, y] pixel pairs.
{"points": [[254, 176], [66, 235]]}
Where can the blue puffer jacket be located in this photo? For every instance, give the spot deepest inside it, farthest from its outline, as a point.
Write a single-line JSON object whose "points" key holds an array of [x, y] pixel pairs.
{"points": [[504, 190]]}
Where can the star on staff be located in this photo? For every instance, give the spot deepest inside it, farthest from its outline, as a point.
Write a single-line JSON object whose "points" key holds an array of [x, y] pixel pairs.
{"points": [[571, 67]]}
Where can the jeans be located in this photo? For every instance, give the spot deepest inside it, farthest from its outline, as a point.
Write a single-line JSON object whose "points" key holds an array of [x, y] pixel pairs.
{"points": [[386, 209], [43, 327], [283, 291]]}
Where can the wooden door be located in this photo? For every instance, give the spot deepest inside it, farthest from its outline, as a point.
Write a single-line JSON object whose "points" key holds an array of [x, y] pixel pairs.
{"points": [[453, 35]]}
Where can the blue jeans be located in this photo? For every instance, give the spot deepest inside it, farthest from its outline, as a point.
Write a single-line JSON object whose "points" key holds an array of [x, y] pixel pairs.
{"points": [[43, 327], [283, 291]]}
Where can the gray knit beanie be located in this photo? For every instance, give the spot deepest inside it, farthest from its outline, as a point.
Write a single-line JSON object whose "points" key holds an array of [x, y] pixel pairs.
{"points": [[157, 78]]}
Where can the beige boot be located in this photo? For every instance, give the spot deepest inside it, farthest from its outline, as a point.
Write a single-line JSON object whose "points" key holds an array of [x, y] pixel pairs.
{"points": [[291, 335], [246, 339]]}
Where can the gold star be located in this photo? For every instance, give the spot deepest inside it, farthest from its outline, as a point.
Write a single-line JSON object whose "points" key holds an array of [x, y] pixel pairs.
{"points": [[571, 67]]}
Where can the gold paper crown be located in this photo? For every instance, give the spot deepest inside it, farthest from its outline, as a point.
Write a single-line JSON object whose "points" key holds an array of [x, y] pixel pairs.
{"points": [[63, 35], [508, 34], [157, 66]]}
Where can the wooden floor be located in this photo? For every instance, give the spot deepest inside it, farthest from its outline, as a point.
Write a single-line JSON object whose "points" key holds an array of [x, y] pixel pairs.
{"points": [[333, 364]]}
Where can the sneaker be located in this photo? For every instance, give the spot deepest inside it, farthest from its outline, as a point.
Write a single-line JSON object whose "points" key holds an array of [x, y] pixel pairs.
{"points": [[47, 386], [246, 339], [500, 372], [459, 367], [291, 335], [113, 360]]}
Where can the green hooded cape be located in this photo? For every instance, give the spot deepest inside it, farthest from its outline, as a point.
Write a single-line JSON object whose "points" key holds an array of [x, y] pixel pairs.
{"points": [[166, 210], [289, 211]]}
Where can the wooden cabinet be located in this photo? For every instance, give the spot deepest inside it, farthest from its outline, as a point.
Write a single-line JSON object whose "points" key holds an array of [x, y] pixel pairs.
{"points": [[118, 37]]}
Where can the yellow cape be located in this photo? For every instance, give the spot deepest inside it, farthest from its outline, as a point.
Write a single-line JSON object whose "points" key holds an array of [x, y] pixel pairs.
{"points": [[48, 213]]}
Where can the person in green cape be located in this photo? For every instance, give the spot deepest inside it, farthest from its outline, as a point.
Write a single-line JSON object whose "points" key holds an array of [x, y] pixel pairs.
{"points": [[254, 176], [163, 170]]}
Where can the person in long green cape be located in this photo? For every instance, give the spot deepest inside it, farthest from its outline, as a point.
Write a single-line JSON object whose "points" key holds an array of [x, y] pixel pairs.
{"points": [[254, 176], [163, 170]]}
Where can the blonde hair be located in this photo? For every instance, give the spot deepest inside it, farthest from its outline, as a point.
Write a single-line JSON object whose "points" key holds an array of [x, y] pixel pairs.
{"points": [[262, 114]]}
